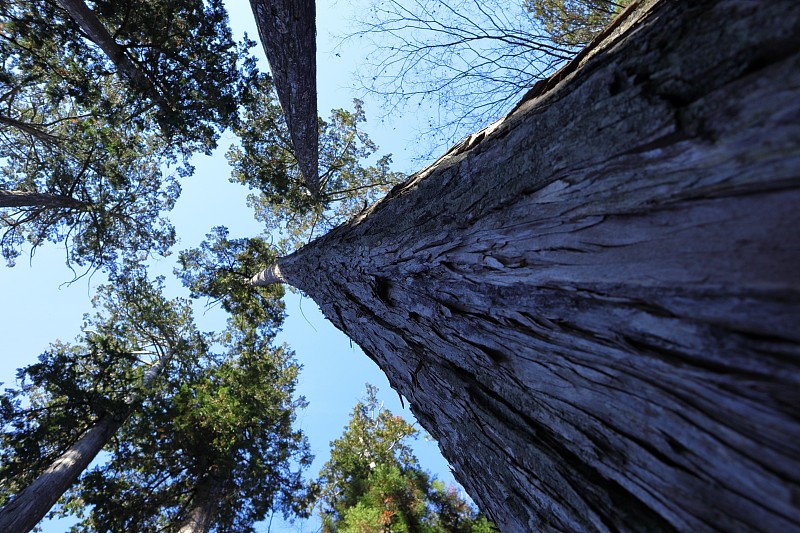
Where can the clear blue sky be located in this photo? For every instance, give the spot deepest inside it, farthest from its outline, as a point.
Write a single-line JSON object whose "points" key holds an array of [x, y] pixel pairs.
{"points": [[38, 308]]}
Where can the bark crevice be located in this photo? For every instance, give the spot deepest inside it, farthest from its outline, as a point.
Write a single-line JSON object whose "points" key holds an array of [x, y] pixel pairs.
{"points": [[595, 302]]}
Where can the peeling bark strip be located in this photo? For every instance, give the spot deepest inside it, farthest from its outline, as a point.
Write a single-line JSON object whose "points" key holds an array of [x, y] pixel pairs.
{"points": [[288, 31], [594, 305]]}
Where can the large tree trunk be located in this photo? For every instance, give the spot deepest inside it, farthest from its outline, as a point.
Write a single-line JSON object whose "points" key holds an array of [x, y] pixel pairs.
{"points": [[28, 507], [205, 505], [594, 304], [288, 31], [10, 198]]}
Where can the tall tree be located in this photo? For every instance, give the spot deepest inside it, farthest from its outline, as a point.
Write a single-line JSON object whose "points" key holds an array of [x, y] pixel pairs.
{"points": [[179, 55], [593, 304], [265, 160], [89, 122], [79, 397], [288, 31], [100, 187], [373, 481], [213, 448]]}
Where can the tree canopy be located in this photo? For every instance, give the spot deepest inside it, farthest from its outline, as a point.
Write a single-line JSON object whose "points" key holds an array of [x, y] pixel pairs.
{"points": [[90, 154], [212, 436], [373, 481], [264, 161], [214, 445]]}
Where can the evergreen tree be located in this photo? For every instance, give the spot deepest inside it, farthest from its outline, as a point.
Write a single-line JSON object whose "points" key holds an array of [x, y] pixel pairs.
{"points": [[207, 445], [575, 22], [264, 161], [374, 483], [214, 449], [75, 399], [100, 109]]}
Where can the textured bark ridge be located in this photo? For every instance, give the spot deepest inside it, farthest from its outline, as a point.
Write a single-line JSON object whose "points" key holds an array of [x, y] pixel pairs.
{"points": [[288, 31], [594, 304]]}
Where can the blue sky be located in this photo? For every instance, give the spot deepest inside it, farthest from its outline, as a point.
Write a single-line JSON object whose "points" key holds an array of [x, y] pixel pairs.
{"points": [[40, 308]]}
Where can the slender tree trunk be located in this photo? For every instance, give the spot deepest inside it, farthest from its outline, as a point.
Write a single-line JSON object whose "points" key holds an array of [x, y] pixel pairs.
{"points": [[204, 507], [97, 32], [594, 304], [287, 29], [30, 506], [9, 198]]}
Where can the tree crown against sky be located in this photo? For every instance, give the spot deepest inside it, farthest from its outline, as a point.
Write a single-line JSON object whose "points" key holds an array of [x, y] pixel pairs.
{"points": [[264, 161], [214, 432], [74, 386], [373, 481], [90, 157]]}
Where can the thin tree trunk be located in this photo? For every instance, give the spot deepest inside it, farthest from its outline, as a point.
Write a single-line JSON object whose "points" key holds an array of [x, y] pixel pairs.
{"points": [[10, 198], [97, 32], [29, 507], [288, 31], [594, 304], [204, 507]]}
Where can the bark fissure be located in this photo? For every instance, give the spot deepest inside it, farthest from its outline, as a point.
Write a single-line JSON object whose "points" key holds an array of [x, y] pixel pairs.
{"points": [[595, 303]]}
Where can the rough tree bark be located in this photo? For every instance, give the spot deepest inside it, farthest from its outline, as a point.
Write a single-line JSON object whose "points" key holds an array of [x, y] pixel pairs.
{"points": [[594, 304], [288, 31], [10, 198], [30, 506]]}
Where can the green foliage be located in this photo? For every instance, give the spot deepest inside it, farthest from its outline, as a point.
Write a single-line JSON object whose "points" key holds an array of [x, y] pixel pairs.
{"points": [[575, 22], [72, 126], [72, 387], [264, 161], [220, 270], [228, 424], [220, 414], [111, 171], [57, 400], [374, 483]]}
